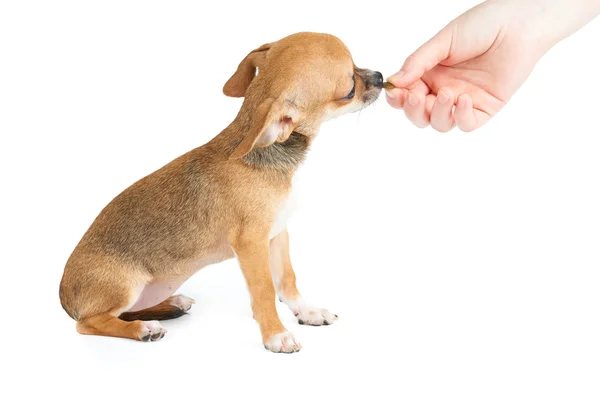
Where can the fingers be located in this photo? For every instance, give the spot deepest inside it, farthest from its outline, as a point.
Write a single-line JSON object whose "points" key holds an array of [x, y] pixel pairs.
{"points": [[396, 97], [442, 110], [415, 100], [425, 58], [442, 119], [413, 95], [467, 118], [415, 109]]}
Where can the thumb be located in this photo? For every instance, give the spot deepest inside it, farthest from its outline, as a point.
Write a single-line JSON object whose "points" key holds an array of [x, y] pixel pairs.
{"points": [[430, 54]]}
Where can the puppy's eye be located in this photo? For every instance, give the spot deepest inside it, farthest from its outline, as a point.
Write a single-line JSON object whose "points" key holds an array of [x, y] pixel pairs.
{"points": [[350, 95]]}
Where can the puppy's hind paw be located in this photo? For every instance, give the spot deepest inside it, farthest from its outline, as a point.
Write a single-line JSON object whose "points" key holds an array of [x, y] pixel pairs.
{"points": [[182, 302], [151, 331]]}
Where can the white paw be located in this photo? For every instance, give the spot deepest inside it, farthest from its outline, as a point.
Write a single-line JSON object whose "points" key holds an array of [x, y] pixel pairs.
{"points": [[309, 315], [182, 302], [152, 331], [283, 342]]}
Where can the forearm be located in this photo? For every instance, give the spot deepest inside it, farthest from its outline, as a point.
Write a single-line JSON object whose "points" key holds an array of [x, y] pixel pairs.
{"points": [[565, 17], [550, 21]]}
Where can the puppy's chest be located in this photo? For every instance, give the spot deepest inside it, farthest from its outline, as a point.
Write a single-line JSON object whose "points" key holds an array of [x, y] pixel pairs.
{"points": [[284, 212]]}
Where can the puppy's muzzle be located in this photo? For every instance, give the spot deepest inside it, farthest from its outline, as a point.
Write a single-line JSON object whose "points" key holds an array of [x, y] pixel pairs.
{"points": [[374, 79]]}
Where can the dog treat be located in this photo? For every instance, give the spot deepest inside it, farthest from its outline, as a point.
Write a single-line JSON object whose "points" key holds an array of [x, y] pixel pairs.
{"points": [[388, 85]]}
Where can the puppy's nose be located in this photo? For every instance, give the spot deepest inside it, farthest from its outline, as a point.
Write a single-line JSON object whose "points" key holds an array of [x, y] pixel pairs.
{"points": [[374, 79], [378, 79]]}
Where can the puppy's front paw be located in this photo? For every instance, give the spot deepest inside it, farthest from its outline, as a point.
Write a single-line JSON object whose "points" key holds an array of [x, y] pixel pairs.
{"points": [[151, 331], [308, 315], [182, 302], [283, 342]]}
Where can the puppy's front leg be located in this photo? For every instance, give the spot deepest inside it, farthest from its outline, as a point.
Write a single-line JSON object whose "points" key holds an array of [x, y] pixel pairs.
{"points": [[285, 284], [253, 256]]}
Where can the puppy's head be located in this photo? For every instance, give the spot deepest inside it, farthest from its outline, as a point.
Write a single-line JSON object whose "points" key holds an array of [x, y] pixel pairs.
{"points": [[297, 83]]}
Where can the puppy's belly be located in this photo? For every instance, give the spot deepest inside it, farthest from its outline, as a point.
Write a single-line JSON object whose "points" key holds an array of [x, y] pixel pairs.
{"points": [[159, 289], [155, 292], [285, 212]]}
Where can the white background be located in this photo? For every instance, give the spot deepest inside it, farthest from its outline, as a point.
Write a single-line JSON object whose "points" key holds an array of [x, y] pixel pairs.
{"points": [[461, 265]]}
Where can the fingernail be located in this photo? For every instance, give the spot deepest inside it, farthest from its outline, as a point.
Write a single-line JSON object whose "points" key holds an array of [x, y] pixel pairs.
{"points": [[390, 93], [442, 98], [412, 99], [398, 75], [462, 103]]}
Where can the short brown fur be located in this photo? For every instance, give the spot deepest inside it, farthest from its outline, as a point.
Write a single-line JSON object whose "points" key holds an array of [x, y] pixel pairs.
{"points": [[217, 201], [160, 312]]}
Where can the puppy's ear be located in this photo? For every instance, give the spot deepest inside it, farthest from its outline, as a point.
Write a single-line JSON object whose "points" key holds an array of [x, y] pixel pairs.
{"points": [[236, 85], [274, 121]]}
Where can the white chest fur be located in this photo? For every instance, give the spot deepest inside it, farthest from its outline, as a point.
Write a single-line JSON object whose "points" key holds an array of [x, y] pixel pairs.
{"points": [[286, 210]]}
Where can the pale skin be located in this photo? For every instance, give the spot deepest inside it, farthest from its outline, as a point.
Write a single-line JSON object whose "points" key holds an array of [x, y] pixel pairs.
{"points": [[468, 71]]}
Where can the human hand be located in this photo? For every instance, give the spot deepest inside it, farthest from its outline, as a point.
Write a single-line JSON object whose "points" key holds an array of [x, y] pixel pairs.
{"points": [[467, 72]]}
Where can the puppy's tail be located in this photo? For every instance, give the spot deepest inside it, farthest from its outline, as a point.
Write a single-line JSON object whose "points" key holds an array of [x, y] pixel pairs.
{"points": [[159, 312]]}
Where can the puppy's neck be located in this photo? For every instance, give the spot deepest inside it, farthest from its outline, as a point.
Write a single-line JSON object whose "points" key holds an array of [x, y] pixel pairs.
{"points": [[286, 156]]}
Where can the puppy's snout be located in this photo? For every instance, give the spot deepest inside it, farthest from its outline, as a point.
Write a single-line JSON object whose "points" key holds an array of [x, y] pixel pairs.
{"points": [[378, 79], [374, 79]]}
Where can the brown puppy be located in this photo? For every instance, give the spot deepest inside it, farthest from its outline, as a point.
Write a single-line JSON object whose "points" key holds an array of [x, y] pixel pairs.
{"points": [[224, 199]]}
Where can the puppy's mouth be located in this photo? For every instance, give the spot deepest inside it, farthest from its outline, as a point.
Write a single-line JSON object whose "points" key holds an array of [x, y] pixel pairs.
{"points": [[371, 96]]}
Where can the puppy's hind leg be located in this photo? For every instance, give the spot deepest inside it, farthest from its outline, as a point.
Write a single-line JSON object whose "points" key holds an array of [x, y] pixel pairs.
{"points": [[95, 290], [171, 308], [109, 325]]}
